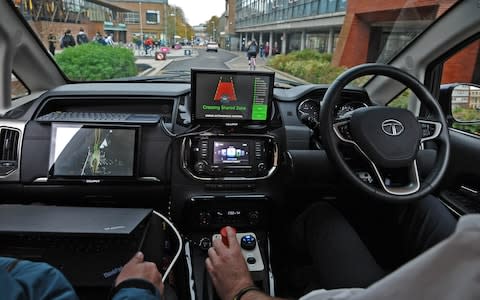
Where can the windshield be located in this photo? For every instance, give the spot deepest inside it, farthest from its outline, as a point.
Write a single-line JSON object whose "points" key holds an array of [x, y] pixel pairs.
{"points": [[304, 41]]}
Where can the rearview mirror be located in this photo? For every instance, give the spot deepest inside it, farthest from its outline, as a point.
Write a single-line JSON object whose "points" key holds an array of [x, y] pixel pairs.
{"points": [[466, 103]]}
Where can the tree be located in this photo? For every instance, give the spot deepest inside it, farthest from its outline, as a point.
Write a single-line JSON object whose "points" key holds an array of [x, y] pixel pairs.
{"points": [[212, 26]]}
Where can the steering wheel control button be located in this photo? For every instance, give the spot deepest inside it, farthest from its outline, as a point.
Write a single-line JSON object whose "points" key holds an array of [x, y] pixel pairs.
{"points": [[248, 242], [251, 260], [365, 177], [428, 130], [344, 130], [205, 243]]}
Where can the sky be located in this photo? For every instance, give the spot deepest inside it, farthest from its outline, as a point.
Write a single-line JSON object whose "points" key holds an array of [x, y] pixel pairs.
{"points": [[200, 11]]}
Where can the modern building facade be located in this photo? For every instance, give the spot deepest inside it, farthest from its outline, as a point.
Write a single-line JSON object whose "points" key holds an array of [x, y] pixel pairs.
{"points": [[355, 31], [288, 25]]}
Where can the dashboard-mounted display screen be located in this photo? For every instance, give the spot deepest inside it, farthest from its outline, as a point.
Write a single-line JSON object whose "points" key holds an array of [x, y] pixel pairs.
{"points": [[93, 151], [231, 97], [231, 153]]}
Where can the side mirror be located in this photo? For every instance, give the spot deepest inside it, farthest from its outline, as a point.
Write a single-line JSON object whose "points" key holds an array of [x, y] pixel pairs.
{"points": [[465, 103]]}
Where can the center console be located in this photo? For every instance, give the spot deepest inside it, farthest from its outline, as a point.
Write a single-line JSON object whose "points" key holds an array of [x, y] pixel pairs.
{"points": [[225, 170], [233, 157]]}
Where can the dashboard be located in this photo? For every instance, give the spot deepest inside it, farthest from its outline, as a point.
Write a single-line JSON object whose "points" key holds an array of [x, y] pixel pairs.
{"points": [[148, 135], [205, 156]]}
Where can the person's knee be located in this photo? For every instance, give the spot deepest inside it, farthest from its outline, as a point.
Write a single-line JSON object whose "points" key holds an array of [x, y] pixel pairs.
{"points": [[321, 212], [317, 215]]}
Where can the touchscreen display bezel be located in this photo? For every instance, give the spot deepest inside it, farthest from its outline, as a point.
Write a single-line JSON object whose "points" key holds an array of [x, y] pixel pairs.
{"points": [[196, 119], [134, 175]]}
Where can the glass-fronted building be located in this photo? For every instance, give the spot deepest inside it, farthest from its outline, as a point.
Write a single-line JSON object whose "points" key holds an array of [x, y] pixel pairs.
{"points": [[288, 25]]}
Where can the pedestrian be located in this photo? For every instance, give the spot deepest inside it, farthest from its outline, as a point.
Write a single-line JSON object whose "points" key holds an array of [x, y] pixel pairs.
{"points": [[109, 40], [52, 40], [148, 44], [82, 37], [99, 39], [252, 51], [67, 40], [266, 49], [275, 50]]}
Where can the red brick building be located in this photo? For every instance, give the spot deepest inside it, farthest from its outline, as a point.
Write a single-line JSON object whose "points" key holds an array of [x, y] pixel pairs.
{"points": [[55, 17], [371, 33], [154, 18]]}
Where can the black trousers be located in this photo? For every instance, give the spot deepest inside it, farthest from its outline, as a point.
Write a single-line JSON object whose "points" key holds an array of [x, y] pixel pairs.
{"points": [[337, 256]]}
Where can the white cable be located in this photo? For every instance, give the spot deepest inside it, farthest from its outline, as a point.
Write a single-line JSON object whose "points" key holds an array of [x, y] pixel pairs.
{"points": [[180, 244], [188, 257]]}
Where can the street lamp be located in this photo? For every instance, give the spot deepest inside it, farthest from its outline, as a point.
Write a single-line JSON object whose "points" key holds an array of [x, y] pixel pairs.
{"points": [[165, 36], [213, 31], [174, 23], [141, 21]]}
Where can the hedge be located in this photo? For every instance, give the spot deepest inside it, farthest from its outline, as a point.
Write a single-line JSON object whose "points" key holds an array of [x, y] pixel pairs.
{"points": [[308, 64], [93, 61]]}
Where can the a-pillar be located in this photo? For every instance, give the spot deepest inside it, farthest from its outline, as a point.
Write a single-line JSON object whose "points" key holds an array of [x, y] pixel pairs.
{"points": [[330, 41], [302, 40], [284, 43], [260, 38]]}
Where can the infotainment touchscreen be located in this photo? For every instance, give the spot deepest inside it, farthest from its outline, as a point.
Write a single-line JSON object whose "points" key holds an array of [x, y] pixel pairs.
{"points": [[226, 96], [231, 152], [92, 151]]}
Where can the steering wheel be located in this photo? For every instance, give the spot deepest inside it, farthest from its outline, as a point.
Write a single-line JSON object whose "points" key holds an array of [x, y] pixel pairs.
{"points": [[388, 138]]}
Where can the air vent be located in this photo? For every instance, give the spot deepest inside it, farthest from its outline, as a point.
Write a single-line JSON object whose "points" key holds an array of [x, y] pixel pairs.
{"points": [[8, 150]]}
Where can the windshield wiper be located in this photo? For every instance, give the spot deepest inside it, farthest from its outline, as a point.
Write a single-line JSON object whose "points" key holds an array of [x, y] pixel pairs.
{"points": [[184, 76], [285, 83], [179, 75]]}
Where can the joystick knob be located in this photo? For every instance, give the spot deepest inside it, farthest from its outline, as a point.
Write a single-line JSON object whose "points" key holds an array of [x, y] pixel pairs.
{"points": [[248, 242], [223, 234]]}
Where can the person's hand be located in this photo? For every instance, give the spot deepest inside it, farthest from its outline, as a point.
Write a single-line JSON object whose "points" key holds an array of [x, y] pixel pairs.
{"points": [[137, 268], [227, 267]]}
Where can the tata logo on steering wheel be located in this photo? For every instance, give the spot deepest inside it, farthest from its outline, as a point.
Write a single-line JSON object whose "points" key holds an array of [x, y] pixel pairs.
{"points": [[392, 127]]}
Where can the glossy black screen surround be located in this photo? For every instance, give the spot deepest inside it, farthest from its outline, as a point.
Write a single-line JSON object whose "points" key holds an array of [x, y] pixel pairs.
{"points": [[231, 97], [93, 151]]}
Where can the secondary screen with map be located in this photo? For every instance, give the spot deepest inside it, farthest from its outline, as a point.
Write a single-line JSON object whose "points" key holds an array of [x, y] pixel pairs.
{"points": [[232, 96], [85, 151]]}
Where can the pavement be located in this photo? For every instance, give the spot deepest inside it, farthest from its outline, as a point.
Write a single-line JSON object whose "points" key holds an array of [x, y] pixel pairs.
{"points": [[240, 62], [157, 65]]}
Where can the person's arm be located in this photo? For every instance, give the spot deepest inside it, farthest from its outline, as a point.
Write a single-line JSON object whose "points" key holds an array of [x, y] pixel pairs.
{"points": [[229, 272], [138, 280], [22, 279]]}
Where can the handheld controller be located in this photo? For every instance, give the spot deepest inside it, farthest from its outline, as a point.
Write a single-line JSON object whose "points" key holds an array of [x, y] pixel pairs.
{"points": [[249, 246]]}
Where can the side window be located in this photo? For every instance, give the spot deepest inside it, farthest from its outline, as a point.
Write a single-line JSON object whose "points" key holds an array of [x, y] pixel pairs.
{"points": [[463, 71], [18, 89], [401, 101]]}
